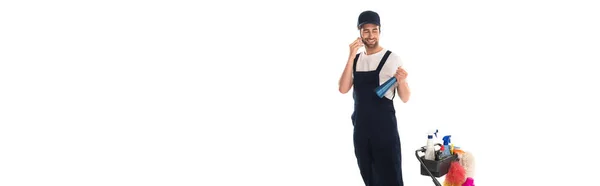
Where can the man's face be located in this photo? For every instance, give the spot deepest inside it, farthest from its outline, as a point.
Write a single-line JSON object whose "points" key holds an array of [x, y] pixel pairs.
{"points": [[370, 35]]}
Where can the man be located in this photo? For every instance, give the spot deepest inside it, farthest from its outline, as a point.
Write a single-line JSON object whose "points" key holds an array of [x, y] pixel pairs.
{"points": [[376, 139]]}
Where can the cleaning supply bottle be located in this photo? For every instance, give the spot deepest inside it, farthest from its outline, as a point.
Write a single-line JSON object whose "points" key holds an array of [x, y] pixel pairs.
{"points": [[430, 149], [447, 148]]}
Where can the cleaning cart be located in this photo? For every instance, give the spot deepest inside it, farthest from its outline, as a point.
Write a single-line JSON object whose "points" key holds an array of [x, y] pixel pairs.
{"points": [[435, 169]]}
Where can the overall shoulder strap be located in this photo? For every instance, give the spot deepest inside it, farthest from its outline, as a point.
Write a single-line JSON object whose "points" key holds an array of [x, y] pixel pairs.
{"points": [[383, 60], [381, 63], [355, 61]]}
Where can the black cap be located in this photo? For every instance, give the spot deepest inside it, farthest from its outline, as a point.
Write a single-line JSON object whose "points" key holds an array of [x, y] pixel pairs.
{"points": [[368, 17]]}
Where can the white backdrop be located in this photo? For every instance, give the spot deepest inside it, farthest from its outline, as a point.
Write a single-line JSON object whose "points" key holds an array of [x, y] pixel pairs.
{"points": [[245, 93]]}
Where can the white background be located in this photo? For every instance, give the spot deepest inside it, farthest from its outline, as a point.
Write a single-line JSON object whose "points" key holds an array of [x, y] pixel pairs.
{"points": [[245, 93]]}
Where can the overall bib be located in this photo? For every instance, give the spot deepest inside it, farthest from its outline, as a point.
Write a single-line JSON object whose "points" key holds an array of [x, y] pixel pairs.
{"points": [[376, 139]]}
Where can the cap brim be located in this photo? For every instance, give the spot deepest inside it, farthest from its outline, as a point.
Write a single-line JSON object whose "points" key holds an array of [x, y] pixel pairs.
{"points": [[364, 23]]}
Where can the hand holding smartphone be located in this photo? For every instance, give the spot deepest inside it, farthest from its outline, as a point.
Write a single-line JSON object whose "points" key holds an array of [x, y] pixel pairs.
{"points": [[354, 46]]}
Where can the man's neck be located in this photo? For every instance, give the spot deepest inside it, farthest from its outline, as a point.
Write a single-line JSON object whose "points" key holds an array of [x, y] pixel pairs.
{"points": [[370, 51]]}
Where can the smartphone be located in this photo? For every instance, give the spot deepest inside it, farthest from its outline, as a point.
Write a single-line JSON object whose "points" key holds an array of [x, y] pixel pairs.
{"points": [[362, 48]]}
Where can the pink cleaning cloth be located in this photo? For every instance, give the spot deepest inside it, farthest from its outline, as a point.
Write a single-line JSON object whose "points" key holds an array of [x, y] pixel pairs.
{"points": [[469, 182]]}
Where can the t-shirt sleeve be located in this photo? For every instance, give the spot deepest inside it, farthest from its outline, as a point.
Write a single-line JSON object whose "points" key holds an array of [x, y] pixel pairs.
{"points": [[390, 66]]}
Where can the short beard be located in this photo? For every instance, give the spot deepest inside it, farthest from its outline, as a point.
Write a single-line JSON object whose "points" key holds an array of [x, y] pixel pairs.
{"points": [[370, 46]]}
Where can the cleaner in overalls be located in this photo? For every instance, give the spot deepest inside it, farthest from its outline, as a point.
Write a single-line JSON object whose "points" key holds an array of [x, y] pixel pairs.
{"points": [[376, 140]]}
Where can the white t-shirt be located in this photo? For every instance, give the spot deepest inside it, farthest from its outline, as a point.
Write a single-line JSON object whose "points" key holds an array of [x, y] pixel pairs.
{"points": [[370, 62]]}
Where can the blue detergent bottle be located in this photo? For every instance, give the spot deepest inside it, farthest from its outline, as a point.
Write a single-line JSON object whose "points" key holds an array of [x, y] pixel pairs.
{"points": [[447, 147]]}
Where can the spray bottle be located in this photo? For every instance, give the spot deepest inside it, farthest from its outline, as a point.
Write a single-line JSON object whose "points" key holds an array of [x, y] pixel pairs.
{"points": [[430, 149], [447, 148]]}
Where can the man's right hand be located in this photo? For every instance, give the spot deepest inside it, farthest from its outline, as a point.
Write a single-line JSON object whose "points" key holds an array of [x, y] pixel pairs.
{"points": [[346, 79], [354, 46]]}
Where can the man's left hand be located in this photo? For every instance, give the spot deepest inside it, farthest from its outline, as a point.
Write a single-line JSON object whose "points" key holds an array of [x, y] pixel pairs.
{"points": [[401, 74]]}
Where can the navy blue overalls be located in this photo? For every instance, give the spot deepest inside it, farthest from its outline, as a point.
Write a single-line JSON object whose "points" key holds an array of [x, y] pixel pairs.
{"points": [[376, 139]]}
